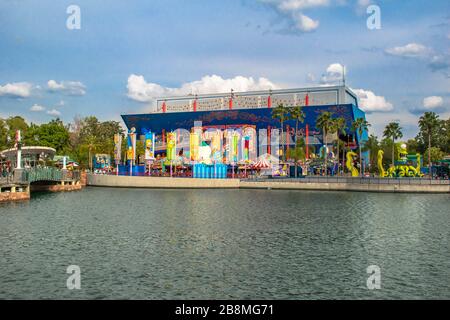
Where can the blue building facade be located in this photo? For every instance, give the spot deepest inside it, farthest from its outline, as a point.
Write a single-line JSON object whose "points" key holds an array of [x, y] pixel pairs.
{"points": [[253, 109]]}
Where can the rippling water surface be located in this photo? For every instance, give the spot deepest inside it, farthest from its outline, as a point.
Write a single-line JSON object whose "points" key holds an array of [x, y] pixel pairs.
{"points": [[225, 244]]}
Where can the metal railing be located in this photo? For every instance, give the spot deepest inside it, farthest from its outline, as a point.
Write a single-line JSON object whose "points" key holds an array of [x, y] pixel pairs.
{"points": [[49, 174]]}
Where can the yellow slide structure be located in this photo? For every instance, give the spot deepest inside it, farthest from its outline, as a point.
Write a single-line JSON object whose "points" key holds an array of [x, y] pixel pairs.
{"points": [[350, 158]]}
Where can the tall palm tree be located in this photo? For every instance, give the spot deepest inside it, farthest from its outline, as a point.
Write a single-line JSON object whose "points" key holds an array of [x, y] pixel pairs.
{"points": [[296, 113], [393, 131], [428, 124], [281, 113], [325, 122], [372, 145], [92, 145], [339, 127], [360, 125]]}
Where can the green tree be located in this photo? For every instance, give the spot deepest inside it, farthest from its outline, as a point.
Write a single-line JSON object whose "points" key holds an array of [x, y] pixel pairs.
{"points": [[372, 146], [435, 154], [281, 113], [105, 135], [412, 146], [3, 134], [359, 126], [429, 123], [53, 134], [13, 124], [394, 132], [140, 149], [339, 126], [296, 113], [325, 122]]}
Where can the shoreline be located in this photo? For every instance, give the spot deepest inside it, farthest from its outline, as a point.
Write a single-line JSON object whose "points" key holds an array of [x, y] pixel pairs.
{"points": [[377, 185]]}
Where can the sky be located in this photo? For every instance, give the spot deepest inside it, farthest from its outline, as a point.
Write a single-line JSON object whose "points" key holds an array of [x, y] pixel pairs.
{"points": [[123, 54]]}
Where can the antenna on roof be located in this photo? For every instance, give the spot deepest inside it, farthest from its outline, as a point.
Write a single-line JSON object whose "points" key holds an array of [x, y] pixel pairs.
{"points": [[343, 75]]}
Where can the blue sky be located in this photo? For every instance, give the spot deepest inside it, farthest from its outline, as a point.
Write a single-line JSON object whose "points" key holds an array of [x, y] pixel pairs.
{"points": [[128, 52]]}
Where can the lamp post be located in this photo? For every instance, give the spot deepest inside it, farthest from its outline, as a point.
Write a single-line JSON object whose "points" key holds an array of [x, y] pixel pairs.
{"points": [[19, 149]]}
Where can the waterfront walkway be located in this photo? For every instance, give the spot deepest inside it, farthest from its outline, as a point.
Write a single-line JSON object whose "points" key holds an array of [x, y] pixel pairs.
{"points": [[19, 184], [406, 185]]}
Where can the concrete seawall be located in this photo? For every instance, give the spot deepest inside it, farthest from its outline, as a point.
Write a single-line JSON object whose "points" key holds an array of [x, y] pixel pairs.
{"points": [[188, 183], [56, 187], [160, 182], [401, 188]]}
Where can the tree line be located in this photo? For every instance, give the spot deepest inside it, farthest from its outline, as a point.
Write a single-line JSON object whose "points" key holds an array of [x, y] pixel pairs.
{"points": [[83, 137], [79, 139], [432, 140]]}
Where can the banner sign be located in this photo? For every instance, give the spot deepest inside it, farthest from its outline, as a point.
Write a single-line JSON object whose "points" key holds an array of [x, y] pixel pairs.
{"points": [[149, 146], [131, 142], [194, 143], [117, 147], [171, 146], [234, 147], [246, 148]]}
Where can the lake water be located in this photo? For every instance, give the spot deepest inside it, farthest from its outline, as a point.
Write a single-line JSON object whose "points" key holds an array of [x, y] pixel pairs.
{"points": [[225, 244]]}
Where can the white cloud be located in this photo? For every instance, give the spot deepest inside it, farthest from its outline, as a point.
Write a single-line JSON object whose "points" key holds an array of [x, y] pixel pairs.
{"points": [[310, 77], [16, 89], [54, 112], [430, 104], [291, 11], [333, 75], [140, 90], [370, 102], [411, 50], [37, 108], [305, 23], [433, 102], [291, 5], [436, 61], [73, 88]]}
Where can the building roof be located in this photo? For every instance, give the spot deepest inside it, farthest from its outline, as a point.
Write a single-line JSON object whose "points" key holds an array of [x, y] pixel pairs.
{"points": [[11, 153], [324, 95]]}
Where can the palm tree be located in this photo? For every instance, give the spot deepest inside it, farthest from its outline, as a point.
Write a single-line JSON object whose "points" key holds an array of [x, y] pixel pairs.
{"points": [[92, 145], [325, 122], [393, 131], [339, 126], [372, 145], [281, 113], [360, 125], [428, 124], [296, 113]]}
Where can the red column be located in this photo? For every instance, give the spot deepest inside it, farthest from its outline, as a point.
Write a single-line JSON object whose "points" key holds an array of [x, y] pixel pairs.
{"points": [[230, 103], [269, 102], [288, 128], [269, 149], [307, 100], [164, 107], [307, 142], [195, 105]]}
